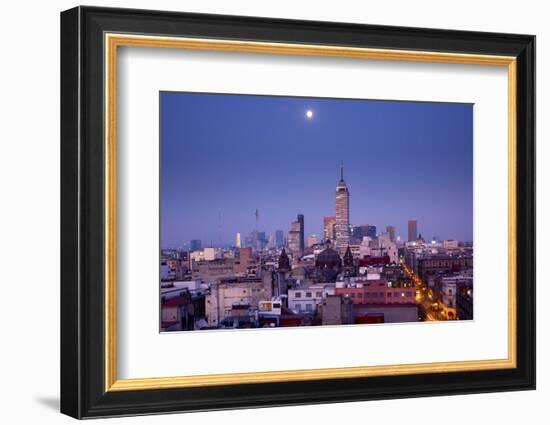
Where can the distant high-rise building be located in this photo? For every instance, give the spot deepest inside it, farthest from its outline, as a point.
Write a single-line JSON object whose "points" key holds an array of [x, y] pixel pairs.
{"points": [[295, 236], [342, 214], [195, 245], [256, 240], [413, 230], [359, 232], [371, 231], [238, 240], [271, 241], [300, 220], [329, 223], [261, 240], [311, 240], [279, 238], [391, 231]]}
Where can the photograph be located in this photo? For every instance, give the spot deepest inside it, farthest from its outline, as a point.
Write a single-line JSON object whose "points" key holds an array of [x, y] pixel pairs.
{"points": [[267, 210], [285, 211]]}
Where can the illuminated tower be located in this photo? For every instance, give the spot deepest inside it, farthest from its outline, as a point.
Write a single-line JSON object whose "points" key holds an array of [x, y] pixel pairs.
{"points": [[341, 227]]}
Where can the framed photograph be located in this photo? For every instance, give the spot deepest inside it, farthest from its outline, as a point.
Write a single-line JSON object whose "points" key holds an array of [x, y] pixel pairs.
{"points": [[261, 212]]}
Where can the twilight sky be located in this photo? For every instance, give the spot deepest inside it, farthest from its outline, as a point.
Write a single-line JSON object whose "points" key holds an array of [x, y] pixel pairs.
{"points": [[230, 154]]}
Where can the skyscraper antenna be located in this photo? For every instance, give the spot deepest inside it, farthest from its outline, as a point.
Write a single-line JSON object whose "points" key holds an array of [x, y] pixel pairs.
{"points": [[220, 227], [342, 171]]}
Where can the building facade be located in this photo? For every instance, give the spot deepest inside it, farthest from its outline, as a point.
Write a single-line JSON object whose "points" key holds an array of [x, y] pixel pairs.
{"points": [[336, 310], [378, 292], [307, 299], [243, 261], [412, 227], [234, 297], [329, 224], [195, 245], [390, 230], [293, 241]]}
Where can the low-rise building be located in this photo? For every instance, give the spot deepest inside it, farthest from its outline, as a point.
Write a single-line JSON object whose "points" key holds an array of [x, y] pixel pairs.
{"points": [[385, 313], [336, 310], [225, 296], [214, 269], [465, 302], [377, 292], [307, 298]]}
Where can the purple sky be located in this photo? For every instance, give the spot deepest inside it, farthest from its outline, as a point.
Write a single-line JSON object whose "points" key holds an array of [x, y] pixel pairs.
{"points": [[231, 154]]}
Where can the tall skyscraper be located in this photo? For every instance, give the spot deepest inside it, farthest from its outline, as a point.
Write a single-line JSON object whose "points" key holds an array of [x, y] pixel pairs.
{"points": [[279, 238], [390, 230], [300, 220], [342, 213], [328, 228], [294, 239], [238, 240], [413, 230]]}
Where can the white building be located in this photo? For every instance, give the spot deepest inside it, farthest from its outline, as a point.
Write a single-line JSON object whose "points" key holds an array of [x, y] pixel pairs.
{"points": [[196, 255], [224, 296], [364, 248], [307, 299], [448, 292], [211, 254], [449, 244]]}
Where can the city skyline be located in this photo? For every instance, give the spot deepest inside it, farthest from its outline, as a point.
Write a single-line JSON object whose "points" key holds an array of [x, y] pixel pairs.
{"points": [[224, 157]]}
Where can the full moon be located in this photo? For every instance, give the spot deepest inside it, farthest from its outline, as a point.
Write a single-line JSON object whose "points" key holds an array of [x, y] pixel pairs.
{"points": [[309, 113]]}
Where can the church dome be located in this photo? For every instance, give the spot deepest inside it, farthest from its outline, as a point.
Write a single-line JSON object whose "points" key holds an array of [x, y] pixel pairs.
{"points": [[328, 258]]}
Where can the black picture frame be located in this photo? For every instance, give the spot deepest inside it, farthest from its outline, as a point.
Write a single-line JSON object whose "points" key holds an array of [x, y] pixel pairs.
{"points": [[83, 392]]}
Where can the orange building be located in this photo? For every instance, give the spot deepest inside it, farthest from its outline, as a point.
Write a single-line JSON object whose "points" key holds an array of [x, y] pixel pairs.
{"points": [[378, 292]]}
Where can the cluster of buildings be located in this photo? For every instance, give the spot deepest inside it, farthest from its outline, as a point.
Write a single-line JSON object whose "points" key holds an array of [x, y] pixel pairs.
{"points": [[444, 270], [351, 275]]}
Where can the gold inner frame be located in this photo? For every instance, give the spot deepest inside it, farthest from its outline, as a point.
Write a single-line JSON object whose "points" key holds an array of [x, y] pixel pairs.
{"points": [[113, 41]]}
